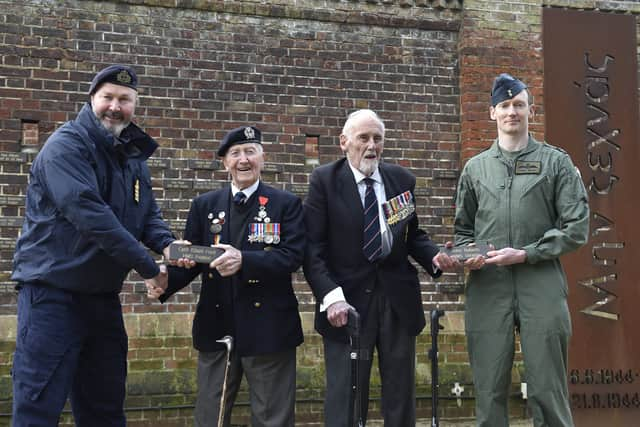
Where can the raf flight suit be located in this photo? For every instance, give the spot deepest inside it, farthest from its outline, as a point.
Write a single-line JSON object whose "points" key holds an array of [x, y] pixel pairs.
{"points": [[535, 201]]}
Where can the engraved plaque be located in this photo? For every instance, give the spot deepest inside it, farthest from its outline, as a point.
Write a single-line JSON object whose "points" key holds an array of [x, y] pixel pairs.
{"points": [[6, 156], [463, 253], [200, 254], [591, 110], [204, 164], [157, 163]]}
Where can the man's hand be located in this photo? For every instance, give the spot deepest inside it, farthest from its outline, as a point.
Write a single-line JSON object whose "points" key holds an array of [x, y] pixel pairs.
{"points": [[338, 313], [506, 256], [475, 263], [182, 262], [445, 262], [229, 263], [157, 284]]}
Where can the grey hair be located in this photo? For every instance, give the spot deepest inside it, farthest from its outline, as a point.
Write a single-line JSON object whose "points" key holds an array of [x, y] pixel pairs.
{"points": [[348, 125]]}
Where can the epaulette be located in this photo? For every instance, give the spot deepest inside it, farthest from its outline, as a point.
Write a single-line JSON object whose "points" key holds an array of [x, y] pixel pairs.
{"points": [[545, 143]]}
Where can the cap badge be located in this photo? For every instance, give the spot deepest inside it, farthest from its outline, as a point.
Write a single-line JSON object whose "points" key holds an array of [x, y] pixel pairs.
{"points": [[124, 77], [509, 92], [249, 133]]}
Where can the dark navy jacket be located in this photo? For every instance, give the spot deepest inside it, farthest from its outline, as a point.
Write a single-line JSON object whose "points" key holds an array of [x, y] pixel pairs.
{"points": [[334, 221], [89, 204], [257, 305]]}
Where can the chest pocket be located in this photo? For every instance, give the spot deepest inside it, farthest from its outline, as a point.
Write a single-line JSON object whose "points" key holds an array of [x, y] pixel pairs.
{"points": [[489, 191], [541, 183]]}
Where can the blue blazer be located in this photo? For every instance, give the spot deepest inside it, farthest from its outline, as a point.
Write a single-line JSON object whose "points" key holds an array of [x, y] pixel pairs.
{"points": [[257, 305], [334, 219]]}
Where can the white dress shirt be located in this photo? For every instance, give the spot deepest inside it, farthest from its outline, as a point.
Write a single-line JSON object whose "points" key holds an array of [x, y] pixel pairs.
{"points": [[387, 237]]}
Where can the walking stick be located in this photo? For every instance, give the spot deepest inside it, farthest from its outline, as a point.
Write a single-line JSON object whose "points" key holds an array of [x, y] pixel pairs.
{"points": [[355, 403], [433, 357], [228, 342]]}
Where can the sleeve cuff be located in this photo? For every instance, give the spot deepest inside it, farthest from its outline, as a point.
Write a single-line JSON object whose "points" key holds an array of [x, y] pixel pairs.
{"points": [[334, 296], [149, 271], [532, 255]]}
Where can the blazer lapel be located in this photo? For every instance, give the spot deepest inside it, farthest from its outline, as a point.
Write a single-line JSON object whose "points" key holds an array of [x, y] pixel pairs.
{"points": [[224, 204], [348, 190], [391, 185]]}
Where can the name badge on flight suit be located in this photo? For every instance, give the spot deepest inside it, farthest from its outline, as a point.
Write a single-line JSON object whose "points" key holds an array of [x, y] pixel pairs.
{"points": [[398, 208], [524, 167]]}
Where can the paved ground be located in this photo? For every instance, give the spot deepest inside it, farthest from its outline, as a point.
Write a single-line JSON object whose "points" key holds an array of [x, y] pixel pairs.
{"points": [[468, 423], [471, 423]]}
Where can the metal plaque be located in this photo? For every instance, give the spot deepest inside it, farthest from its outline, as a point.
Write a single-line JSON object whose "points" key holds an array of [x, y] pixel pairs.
{"points": [[591, 110], [199, 254], [463, 253]]}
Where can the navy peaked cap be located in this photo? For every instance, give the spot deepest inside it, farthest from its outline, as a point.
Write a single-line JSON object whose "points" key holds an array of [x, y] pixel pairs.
{"points": [[117, 74], [241, 135], [505, 86]]}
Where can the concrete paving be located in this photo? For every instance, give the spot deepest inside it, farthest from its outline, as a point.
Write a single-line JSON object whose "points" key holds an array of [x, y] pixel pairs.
{"points": [[471, 423], [457, 423]]}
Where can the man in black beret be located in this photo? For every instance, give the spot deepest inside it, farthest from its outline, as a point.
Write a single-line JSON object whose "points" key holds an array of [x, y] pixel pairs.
{"points": [[527, 199], [246, 292], [89, 204]]}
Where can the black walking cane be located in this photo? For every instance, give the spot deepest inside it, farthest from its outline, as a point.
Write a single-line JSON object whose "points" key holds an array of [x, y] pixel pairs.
{"points": [[433, 357], [355, 402]]}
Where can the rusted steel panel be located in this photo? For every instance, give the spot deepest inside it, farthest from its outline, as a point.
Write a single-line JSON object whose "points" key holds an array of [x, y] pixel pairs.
{"points": [[591, 110]]}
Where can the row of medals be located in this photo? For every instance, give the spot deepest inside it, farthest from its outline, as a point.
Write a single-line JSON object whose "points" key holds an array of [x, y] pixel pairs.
{"points": [[268, 238], [216, 226]]}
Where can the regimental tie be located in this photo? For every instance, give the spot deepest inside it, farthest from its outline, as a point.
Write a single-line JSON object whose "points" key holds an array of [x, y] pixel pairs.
{"points": [[239, 198], [372, 239]]}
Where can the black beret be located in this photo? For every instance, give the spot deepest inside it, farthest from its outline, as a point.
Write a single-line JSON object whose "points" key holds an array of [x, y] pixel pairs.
{"points": [[122, 75], [241, 135], [505, 86]]}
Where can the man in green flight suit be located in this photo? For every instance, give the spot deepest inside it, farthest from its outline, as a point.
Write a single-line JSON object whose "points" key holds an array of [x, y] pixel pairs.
{"points": [[527, 199]]}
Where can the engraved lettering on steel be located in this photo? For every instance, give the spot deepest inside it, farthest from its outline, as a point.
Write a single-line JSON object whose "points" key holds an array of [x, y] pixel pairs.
{"points": [[591, 110]]}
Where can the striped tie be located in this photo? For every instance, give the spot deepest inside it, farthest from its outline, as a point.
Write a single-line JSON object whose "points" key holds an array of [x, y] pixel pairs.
{"points": [[372, 239], [239, 198]]}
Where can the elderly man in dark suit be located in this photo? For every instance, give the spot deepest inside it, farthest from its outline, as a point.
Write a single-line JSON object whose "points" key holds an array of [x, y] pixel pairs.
{"points": [[246, 292], [361, 228]]}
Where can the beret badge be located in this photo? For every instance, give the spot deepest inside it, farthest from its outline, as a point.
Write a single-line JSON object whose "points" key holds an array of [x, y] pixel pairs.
{"points": [[124, 77], [249, 133]]}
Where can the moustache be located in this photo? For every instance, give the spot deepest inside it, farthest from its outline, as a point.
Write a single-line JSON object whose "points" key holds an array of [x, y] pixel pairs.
{"points": [[113, 115]]}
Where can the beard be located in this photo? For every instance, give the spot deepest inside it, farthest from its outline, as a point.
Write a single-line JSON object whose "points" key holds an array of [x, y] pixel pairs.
{"points": [[368, 166], [114, 128]]}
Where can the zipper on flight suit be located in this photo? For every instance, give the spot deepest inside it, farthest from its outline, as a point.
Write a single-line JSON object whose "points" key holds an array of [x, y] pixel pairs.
{"points": [[509, 235]]}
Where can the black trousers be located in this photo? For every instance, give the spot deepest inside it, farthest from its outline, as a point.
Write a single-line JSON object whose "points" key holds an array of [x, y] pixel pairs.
{"points": [[396, 362]]}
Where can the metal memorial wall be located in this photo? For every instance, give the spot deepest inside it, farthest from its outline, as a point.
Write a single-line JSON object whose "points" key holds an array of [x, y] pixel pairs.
{"points": [[591, 111]]}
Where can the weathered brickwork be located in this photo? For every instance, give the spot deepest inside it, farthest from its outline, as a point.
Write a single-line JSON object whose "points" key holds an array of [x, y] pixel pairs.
{"points": [[295, 69], [210, 67]]}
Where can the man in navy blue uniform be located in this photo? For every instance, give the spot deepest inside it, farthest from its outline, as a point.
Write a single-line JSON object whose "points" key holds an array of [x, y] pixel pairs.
{"points": [[246, 292], [89, 204]]}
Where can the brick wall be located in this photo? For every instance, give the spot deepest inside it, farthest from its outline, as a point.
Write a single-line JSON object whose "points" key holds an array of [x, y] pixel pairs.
{"points": [[295, 69], [506, 36], [296, 72]]}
